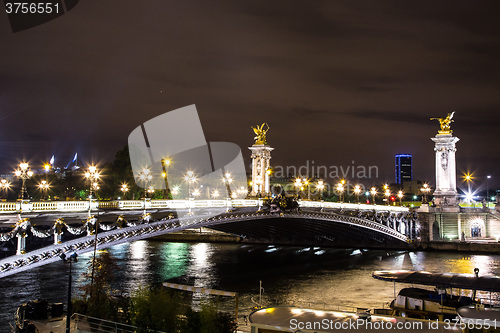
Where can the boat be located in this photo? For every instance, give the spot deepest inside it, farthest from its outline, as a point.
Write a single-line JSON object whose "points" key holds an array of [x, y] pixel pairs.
{"points": [[441, 303]]}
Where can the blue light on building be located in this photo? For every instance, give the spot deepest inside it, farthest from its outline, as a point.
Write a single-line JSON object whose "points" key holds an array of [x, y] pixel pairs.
{"points": [[404, 168]]}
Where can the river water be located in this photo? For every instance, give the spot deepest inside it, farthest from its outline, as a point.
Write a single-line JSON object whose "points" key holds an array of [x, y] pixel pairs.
{"points": [[303, 276]]}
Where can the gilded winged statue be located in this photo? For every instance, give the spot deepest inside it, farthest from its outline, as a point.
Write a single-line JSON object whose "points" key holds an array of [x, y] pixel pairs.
{"points": [[260, 132], [445, 123]]}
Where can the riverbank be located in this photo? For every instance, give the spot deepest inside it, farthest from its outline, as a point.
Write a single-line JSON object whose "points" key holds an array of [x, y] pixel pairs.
{"points": [[199, 235], [205, 235], [458, 246]]}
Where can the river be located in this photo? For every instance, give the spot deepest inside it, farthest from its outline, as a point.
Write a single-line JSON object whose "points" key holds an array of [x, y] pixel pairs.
{"points": [[309, 277]]}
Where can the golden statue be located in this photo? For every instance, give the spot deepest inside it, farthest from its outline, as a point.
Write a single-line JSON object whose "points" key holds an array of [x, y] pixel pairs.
{"points": [[445, 123], [260, 139]]}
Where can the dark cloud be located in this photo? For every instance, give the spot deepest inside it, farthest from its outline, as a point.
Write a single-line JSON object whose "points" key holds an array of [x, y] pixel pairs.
{"points": [[336, 81]]}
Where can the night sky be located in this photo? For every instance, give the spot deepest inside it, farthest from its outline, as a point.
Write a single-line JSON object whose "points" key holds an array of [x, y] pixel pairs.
{"points": [[337, 81]]}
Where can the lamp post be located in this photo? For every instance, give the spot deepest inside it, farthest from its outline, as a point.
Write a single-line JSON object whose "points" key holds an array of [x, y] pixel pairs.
{"points": [[227, 180], [46, 167], [24, 173], [488, 188], [242, 191], [165, 164], [298, 185], [400, 196], [320, 185], [340, 189], [387, 193], [5, 185], [124, 189], [189, 178], [373, 192], [306, 185], [145, 176], [44, 187], [72, 258], [425, 190], [175, 190], [93, 176], [468, 178], [357, 191], [269, 171]]}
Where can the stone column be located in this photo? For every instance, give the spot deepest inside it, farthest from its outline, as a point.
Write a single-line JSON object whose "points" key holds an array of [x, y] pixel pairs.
{"points": [[21, 244], [445, 194], [57, 237], [261, 156]]}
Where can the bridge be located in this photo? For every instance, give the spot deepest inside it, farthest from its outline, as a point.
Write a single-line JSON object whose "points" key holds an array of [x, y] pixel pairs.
{"points": [[317, 223]]}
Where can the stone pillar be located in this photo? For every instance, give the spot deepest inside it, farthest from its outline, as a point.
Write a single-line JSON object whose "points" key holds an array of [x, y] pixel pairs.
{"points": [[21, 244], [261, 156], [445, 195], [57, 238]]}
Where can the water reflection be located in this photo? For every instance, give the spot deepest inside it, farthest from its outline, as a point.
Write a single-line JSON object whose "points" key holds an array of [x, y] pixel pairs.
{"points": [[466, 264], [290, 275], [174, 260], [201, 265]]}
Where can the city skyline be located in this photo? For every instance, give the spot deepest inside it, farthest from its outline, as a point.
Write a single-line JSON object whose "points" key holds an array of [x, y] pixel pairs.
{"points": [[336, 82]]}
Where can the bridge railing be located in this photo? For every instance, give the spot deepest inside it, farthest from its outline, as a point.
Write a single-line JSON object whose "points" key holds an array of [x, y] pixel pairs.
{"points": [[351, 206], [81, 206]]}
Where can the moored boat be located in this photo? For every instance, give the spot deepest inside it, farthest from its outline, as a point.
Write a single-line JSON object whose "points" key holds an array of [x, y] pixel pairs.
{"points": [[443, 302]]}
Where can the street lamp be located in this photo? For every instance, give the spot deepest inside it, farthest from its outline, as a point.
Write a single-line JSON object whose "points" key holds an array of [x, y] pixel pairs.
{"points": [[387, 193], [215, 194], [175, 190], [242, 191], [5, 185], [298, 185], [488, 187], [373, 192], [46, 167], [24, 173], [227, 180], [340, 189], [71, 259], [151, 190], [44, 187], [357, 191], [165, 164], [320, 185], [93, 176], [468, 178], [189, 178], [306, 185], [145, 176], [400, 196], [425, 190], [124, 189]]}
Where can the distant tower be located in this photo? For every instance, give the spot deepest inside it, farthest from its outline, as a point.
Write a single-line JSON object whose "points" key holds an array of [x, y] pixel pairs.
{"points": [[261, 166], [403, 168], [445, 194]]}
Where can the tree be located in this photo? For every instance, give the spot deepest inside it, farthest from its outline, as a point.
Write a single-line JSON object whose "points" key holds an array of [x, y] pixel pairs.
{"points": [[97, 290], [155, 309]]}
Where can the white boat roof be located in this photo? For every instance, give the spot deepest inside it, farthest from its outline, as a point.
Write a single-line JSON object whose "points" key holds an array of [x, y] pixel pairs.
{"points": [[286, 319], [473, 313], [444, 280]]}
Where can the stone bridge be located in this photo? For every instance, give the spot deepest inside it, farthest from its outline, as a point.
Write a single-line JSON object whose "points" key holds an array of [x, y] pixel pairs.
{"points": [[318, 223]]}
